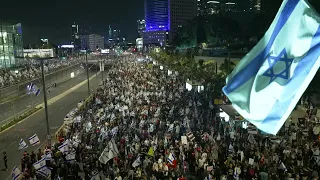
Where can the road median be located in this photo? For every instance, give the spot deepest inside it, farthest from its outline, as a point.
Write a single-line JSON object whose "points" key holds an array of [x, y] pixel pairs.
{"points": [[19, 119]]}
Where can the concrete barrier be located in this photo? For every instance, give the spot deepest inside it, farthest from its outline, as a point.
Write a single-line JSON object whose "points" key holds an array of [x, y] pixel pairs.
{"points": [[20, 89]]}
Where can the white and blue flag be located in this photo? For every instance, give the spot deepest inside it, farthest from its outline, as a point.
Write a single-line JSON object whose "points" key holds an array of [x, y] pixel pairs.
{"points": [[171, 158], [47, 155], [64, 148], [268, 82], [16, 173], [32, 88], [71, 157], [44, 171], [34, 140], [22, 145], [40, 164]]}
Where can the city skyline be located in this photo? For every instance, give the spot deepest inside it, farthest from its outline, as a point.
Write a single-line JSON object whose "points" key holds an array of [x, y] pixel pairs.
{"points": [[44, 19]]}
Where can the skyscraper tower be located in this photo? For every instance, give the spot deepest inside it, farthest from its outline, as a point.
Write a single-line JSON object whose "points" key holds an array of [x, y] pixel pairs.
{"points": [[75, 39], [164, 17]]}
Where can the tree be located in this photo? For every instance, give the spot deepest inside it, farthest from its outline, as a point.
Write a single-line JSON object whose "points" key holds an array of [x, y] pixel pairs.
{"points": [[224, 66]]}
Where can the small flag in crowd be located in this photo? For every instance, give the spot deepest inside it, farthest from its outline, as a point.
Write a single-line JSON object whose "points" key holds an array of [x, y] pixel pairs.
{"points": [[16, 173], [47, 155], [34, 140], [44, 171], [151, 152], [32, 88], [40, 164], [137, 162], [95, 176], [171, 158], [71, 157], [64, 148], [22, 145], [262, 90], [171, 127], [191, 136], [110, 152]]}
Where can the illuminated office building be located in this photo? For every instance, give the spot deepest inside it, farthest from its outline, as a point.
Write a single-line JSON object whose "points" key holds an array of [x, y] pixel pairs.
{"points": [[164, 17], [141, 27], [11, 45]]}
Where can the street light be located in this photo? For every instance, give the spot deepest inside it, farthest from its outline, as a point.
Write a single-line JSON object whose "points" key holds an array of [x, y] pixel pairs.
{"points": [[87, 67], [48, 137]]}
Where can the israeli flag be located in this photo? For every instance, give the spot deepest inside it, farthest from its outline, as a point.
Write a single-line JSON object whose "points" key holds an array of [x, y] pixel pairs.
{"points": [[47, 155], [22, 145], [34, 140], [71, 157], [171, 158], [269, 81], [40, 164], [64, 148], [32, 88], [137, 162], [15, 173], [44, 171]]}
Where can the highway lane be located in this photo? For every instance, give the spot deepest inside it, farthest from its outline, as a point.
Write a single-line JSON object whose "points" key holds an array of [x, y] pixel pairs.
{"points": [[36, 124], [16, 107]]}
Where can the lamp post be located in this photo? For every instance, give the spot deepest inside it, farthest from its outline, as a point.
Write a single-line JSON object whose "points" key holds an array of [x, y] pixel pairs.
{"points": [[87, 68], [48, 137]]}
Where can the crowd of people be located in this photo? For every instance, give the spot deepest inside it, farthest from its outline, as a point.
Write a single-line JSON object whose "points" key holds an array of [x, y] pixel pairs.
{"points": [[142, 123], [30, 71]]}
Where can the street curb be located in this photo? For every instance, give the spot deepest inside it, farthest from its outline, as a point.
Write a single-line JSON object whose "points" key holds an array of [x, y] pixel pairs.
{"points": [[39, 107]]}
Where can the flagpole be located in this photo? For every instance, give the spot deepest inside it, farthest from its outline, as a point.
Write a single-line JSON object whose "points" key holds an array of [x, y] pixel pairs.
{"points": [[45, 101]]}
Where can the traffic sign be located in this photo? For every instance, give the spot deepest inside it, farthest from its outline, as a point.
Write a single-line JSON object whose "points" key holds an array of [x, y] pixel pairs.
{"points": [[48, 136]]}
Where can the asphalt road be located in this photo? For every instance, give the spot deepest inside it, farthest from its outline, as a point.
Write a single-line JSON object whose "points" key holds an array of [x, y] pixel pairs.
{"points": [[36, 124], [16, 107]]}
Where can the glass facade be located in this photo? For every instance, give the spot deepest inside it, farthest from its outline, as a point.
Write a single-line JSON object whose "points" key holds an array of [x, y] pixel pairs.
{"points": [[11, 45]]}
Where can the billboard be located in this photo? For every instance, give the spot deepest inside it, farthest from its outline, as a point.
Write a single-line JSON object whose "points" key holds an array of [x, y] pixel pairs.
{"points": [[139, 43], [105, 51]]}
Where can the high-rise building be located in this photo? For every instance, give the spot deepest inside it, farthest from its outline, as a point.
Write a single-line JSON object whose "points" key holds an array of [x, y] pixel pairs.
{"points": [[141, 27], [210, 7], [95, 41], [164, 17], [75, 39], [11, 45]]}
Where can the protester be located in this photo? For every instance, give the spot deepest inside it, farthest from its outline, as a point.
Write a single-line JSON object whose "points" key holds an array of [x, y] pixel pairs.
{"points": [[142, 123], [31, 70], [5, 161]]}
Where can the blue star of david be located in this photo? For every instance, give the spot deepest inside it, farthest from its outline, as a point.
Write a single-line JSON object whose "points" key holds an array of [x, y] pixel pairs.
{"points": [[272, 61]]}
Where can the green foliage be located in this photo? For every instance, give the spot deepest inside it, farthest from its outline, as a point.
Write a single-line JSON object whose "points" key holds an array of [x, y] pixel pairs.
{"points": [[19, 118], [35, 56], [227, 68]]}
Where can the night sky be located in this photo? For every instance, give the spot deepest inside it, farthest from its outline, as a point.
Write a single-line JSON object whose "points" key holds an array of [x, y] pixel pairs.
{"points": [[52, 19]]}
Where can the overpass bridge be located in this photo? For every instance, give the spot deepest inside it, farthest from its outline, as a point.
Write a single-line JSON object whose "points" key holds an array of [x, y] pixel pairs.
{"points": [[107, 62]]}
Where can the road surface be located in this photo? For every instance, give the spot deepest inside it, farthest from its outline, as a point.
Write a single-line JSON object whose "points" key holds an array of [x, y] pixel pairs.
{"points": [[36, 124], [16, 107]]}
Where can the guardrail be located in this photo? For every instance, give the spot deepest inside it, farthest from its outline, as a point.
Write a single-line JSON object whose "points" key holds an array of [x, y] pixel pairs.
{"points": [[62, 130]]}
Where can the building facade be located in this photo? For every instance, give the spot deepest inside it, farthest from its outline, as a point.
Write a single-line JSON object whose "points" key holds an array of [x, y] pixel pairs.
{"points": [[141, 27], [95, 41], [11, 44], [164, 17], [75, 38], [209, 7]]}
